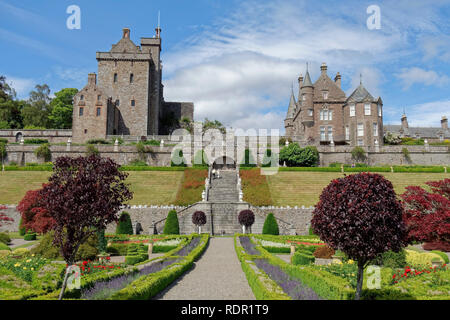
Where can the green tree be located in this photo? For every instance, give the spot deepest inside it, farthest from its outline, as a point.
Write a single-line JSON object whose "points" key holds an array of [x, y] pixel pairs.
{"points": [[294, 156], [213, 124], [37, 110], [61, 109], [172, 226], [10, 109], [271, 225]]}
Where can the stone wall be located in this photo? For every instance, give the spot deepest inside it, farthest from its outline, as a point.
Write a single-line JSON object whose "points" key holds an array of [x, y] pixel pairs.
{"points": [[53, 136], [290, 220], [385, 155]]}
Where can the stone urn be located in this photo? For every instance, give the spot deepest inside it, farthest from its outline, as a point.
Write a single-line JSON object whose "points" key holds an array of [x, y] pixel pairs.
{"points": [[436, 263]]}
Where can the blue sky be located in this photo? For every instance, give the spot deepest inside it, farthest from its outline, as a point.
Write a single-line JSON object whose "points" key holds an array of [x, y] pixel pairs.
{"points": [[236, 60]]}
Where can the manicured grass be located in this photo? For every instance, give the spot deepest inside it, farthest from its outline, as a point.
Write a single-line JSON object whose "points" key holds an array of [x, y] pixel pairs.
{"points": [[149, 187], [304, 188]]}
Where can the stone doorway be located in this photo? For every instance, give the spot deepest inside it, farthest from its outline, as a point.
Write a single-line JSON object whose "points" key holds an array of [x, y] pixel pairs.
{"points": [[224, 163]]}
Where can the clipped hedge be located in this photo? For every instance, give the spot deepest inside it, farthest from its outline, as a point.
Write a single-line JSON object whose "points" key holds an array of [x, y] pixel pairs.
{"points": [[3, 246], [124, 225], [172, 225], [302, 258], [271, 225], [262, 286], [148, 286], [29, 236]]}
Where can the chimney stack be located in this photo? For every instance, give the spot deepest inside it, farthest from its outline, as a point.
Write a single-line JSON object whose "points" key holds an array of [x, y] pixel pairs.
{"points": [[92, 79], [126, 33], [444, 123], [337, 79], [323, 68]]}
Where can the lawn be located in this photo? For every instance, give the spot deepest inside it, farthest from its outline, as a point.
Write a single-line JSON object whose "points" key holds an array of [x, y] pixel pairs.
{"points": [[304, 188], [149, 187]]}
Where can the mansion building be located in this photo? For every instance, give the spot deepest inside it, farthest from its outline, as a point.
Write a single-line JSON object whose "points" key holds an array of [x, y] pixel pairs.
{"points": [[324, 114], [126, 98]]}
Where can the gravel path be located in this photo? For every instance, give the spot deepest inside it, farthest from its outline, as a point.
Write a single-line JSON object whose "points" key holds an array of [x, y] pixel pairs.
{"points": [[217, 275]]}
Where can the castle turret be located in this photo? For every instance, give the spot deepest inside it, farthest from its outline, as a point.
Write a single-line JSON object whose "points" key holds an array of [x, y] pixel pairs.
{"points": [[444, 123], [307, 90], [288, 125], [404, 122]]}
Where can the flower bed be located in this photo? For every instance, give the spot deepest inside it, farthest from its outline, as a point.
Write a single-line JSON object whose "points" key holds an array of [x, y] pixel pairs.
{"points": [[409, 273]]}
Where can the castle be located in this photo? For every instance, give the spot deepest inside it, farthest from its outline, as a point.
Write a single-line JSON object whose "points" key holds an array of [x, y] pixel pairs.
{"points": [[324, 115], [126, 98]]}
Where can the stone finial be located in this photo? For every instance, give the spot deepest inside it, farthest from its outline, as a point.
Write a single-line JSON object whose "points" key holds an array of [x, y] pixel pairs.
{"points": [[444, 123], [68, 144], [22, 141], [161, 144], [323, 68], [116, 145]]}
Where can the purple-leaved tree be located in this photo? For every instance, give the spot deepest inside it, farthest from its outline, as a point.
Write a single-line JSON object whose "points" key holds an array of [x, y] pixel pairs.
{"points": [[83, 195], [246, 219], [199, 219], [361, 216]]}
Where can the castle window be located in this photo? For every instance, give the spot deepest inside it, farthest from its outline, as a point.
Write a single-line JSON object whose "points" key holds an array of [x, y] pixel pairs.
{"points": [[310, 112], [99, 111], [322, 134], [360, 142], [115, 77], [352, 110], [133, 103], [360, 130], [80, 112], [379, 111], [99, 97], [82, 97], [117, 102], [347, 133], [131, 78], [367, 109], [375, 129], [85, 131], [330, 133], [325, 115], [330, 115], [325, 95]]}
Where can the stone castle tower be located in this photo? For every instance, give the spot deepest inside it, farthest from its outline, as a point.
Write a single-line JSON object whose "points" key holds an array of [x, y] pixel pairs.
{"points": [[127, 96], [324, 115]]}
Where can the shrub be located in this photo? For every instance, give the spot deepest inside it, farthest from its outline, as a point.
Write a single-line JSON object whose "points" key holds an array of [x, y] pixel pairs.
{"points": [[29, 236], [35, 141], [248, 160], [172, 226], [98, 141], [200, 159], [43, 152], [406, 154], [391, 259], [88, 250], [3, 246], [420, 259], [143, 149], [270, 225], [91, 150], [21, 252], [177, 159], [358, 154], [124, 225], [294, 156], [367, 201], [302, 258], [3, 152], [45, 248], [443, 255], [324, 252], [4, 253], [4, 237]]}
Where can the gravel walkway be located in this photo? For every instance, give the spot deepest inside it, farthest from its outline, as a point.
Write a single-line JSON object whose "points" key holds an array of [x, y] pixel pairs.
{"points": [[217, 275]]}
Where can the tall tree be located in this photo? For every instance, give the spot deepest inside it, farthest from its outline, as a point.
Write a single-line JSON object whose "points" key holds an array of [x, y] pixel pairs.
{"points": [[83, 196], [10, 109], [35, 113], [61, 109], [361, 216]]}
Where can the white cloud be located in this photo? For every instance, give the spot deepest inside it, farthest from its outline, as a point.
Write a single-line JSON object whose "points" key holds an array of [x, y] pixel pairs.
{"points": [[428, 114], [22, 86], [411, 76], [240, 69]]}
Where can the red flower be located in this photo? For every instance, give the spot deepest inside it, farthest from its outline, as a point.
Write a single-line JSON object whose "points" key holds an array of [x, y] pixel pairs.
{"points": [[393, 277]]}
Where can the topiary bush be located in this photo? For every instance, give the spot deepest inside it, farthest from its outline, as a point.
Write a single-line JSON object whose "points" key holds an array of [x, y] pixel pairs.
{"points": [[302, 258], [271, 225], [172, 226], [124, 225], [29, 236], [324, 252], [199, 218], [4, 237], [246, 218]]}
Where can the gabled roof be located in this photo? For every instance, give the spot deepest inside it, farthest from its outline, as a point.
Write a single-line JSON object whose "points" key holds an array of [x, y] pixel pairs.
{"points": [[125, 45], [292, 107], [361, 95]]}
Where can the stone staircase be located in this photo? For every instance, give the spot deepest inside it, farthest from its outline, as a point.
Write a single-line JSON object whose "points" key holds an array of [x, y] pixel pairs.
{"points": [[224, 189]]}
